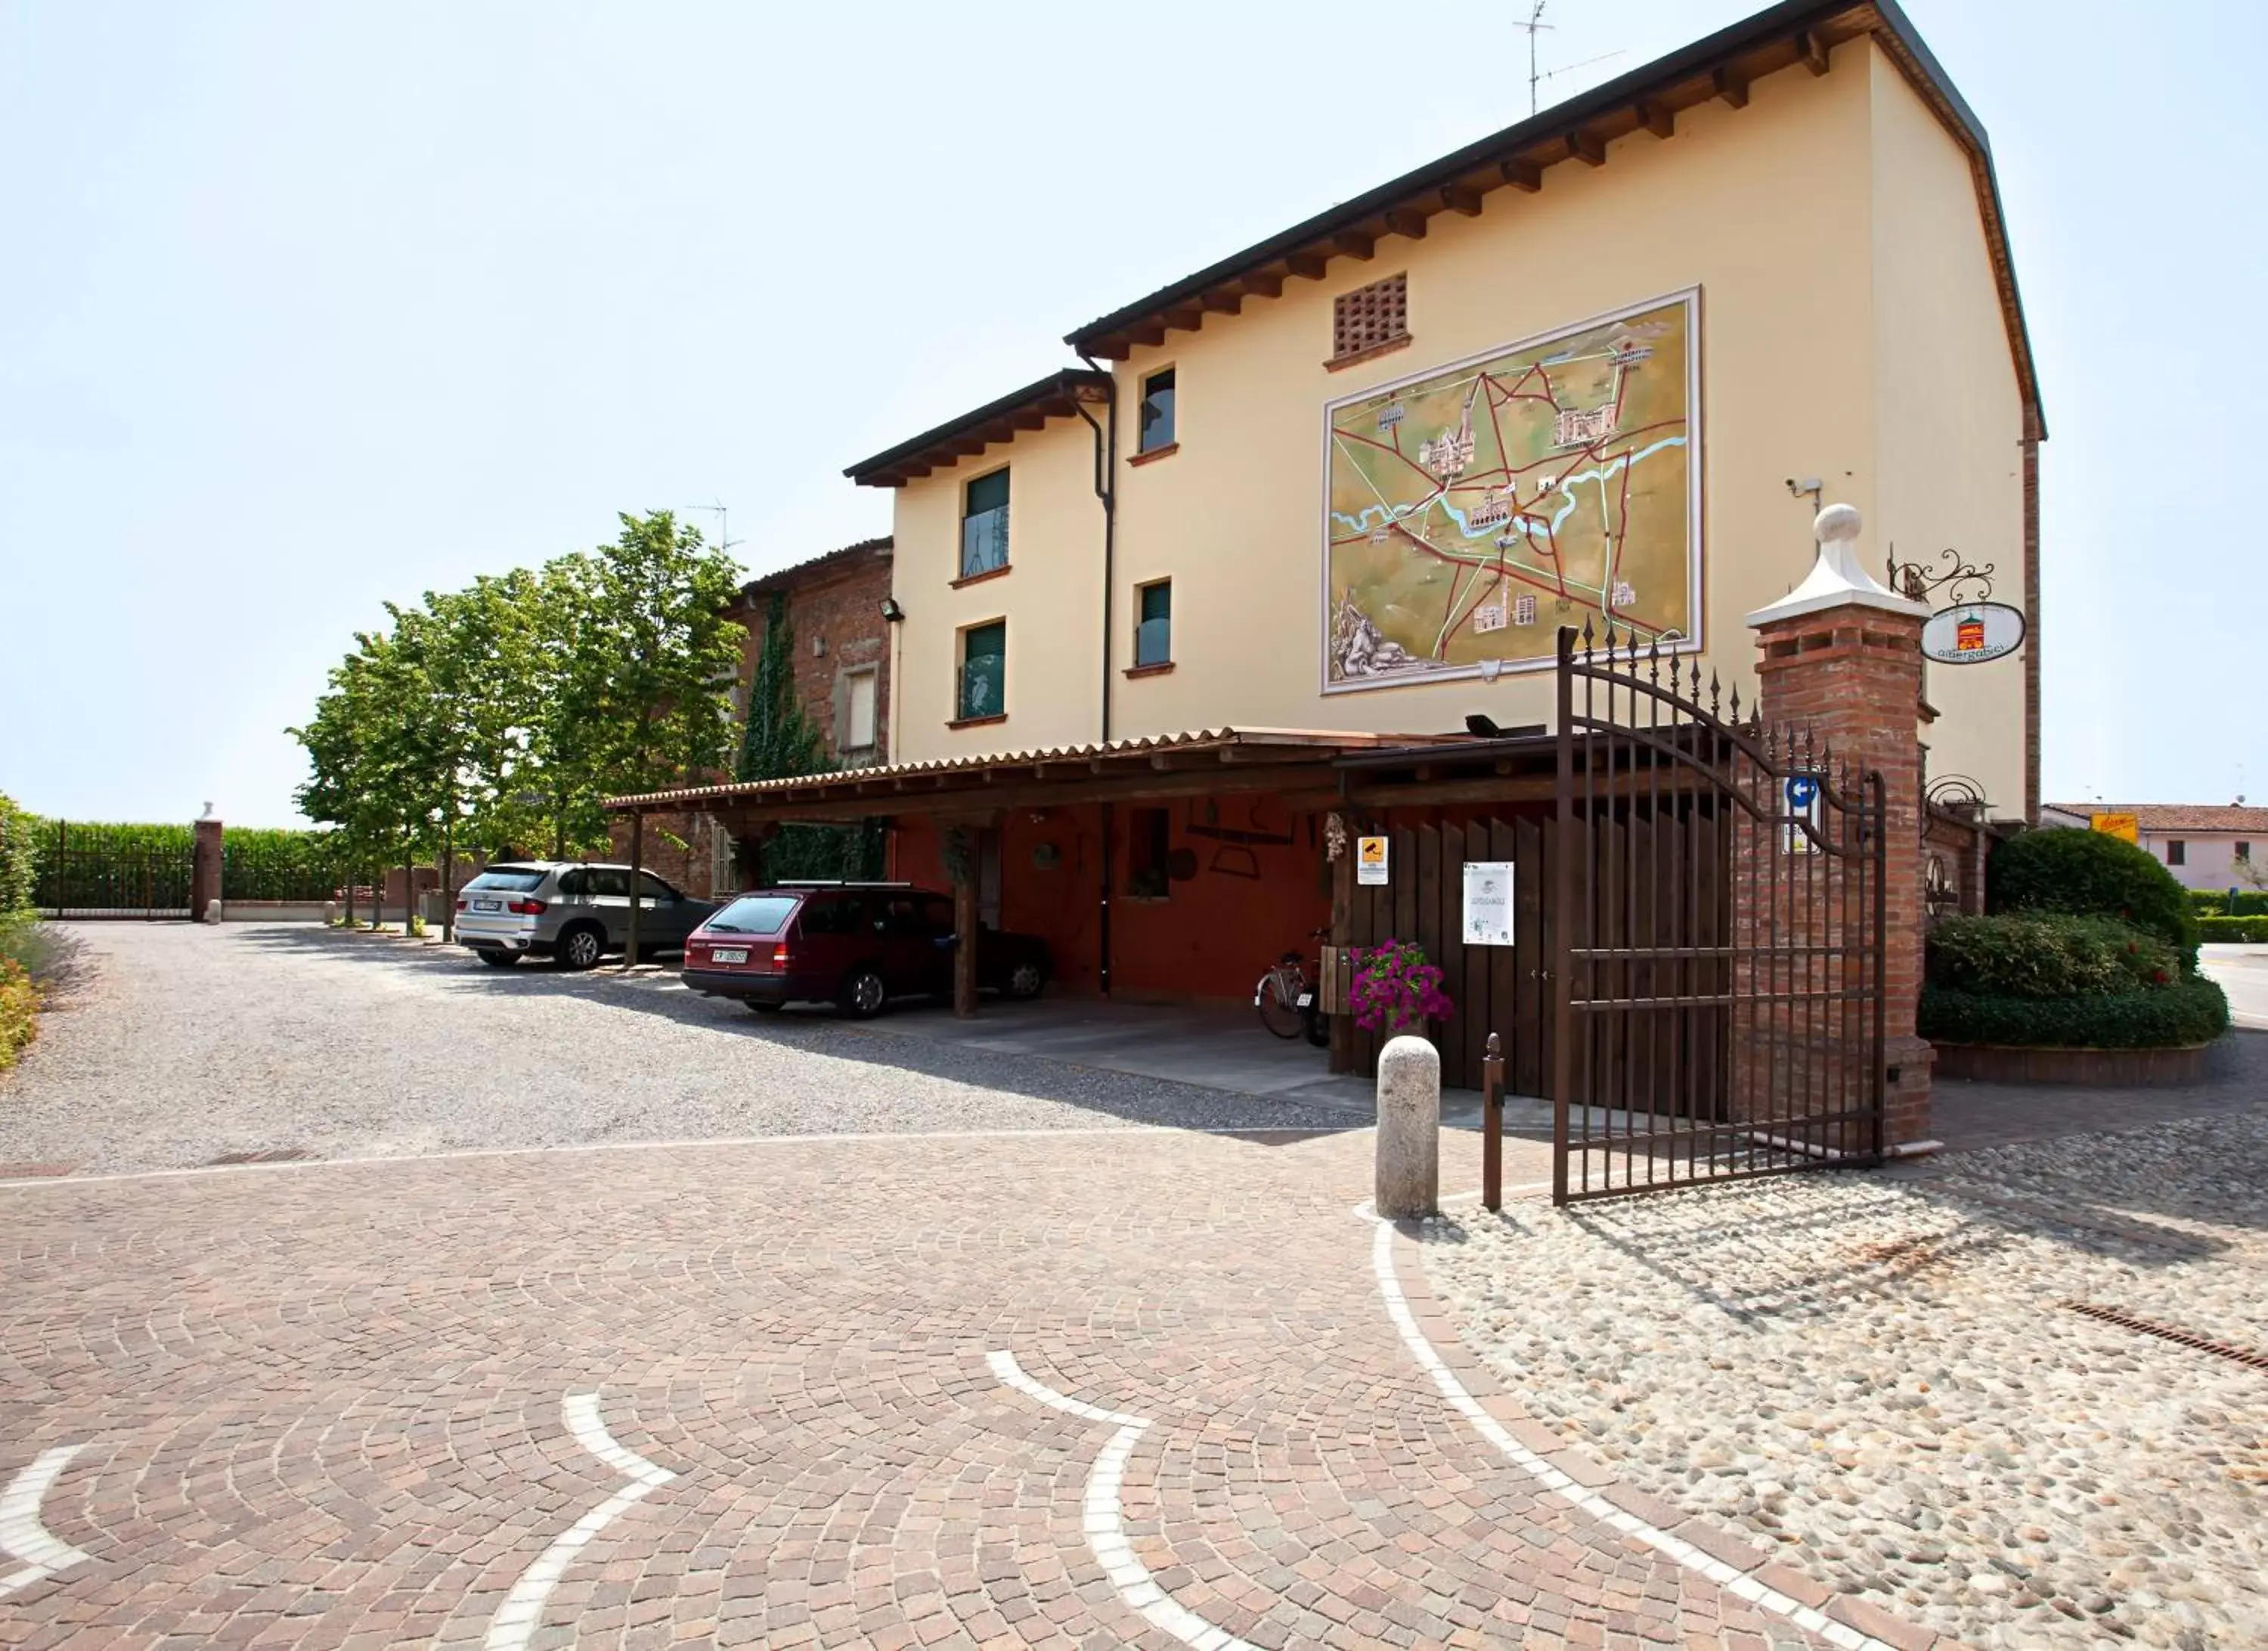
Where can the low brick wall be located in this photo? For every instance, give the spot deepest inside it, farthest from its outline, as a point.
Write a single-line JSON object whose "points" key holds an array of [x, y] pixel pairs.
{"points": [[2106, 1068]]}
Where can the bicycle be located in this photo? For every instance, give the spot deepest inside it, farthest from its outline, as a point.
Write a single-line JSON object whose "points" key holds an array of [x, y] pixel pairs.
{"points": [[1286, 997]]}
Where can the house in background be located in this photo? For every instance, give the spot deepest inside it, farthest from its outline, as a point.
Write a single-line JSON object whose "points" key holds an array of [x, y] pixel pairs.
{"points": [[1291, 547], [834, 606], [2212, 846]]}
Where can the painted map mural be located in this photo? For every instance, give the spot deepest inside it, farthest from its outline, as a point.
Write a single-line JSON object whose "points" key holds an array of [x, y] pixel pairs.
{"points": [[1473, 511]]}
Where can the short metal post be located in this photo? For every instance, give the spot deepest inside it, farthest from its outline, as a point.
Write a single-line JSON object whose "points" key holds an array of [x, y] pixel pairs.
{"points": [[1493, 1126]]}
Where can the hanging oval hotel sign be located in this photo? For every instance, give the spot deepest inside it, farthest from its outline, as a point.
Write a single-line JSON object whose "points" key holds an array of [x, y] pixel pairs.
{"points": [[1970, 633]]}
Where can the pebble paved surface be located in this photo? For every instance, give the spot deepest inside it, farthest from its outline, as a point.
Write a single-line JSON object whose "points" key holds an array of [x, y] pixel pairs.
{"points": [[193, 1042], [339, 1404], [1878, 1375]]}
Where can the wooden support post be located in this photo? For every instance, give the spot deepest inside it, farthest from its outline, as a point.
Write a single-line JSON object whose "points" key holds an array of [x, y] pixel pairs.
{"points": [[1493, 1126], [638, 864], [1343, 936], [448, 882], [964, 935]]}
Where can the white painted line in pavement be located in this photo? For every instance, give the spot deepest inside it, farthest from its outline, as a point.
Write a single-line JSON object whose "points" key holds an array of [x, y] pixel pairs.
{"points": [[22, 1536], [31, 1182], [1106, 1526], [521, 1613], [1559, 1485]]}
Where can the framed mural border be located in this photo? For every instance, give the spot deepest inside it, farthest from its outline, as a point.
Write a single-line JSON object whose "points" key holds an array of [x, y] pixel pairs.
{"points": [[1696, 536]]}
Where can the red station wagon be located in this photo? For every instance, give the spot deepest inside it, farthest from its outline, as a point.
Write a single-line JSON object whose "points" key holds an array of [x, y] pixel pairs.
{"points": [[855, 945]]}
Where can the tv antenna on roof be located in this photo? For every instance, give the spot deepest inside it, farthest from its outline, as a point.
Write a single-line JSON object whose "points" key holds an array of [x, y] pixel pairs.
{"points": [[1535, 26]]}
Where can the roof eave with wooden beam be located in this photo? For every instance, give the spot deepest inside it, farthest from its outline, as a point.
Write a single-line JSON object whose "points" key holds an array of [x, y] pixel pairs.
{"points": [[1031, 408], [1721, 67]]}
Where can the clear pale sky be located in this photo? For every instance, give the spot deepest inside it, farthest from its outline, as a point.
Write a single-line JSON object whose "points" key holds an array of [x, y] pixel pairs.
{"points": [[303, 307]]}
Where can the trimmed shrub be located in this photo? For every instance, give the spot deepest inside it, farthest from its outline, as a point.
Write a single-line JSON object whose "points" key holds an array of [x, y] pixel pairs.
{"points": [[2190, 1010], [2047, 955], [19, 1004], [2253, 929], [19, 857], [2214, 903], [2088, 873]]}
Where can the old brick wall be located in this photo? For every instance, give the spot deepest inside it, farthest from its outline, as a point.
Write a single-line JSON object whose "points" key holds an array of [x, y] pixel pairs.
{"points": [[835, 606], [1851, 678]]}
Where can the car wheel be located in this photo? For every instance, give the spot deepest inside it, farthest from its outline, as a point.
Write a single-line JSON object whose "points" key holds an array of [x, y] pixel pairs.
{"points": [[1025, 979], [499, 960], [864, 993], [581, 948]]}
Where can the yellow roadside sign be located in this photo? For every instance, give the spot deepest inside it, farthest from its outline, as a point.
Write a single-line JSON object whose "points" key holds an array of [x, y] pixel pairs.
{"points": [[2125, 827]]}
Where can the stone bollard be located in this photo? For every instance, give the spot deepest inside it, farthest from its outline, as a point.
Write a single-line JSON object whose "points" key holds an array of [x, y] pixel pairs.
{"points": [[1408, 1130], [212, 911], [330, 911]]}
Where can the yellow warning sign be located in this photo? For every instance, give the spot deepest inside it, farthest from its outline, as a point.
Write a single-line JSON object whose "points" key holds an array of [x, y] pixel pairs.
{"points": [[1370, 861], [2125, 827]]}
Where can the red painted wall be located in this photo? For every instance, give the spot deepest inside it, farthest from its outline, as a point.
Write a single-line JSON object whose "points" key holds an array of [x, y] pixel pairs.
{"points": [[1208, 938]]}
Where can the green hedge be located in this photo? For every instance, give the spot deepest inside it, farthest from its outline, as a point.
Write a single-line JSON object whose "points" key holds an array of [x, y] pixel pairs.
{"points": [[2047, 954], [2214, 903], [2190, 1010], [19, 857], [2088, 873], [2225, 929]]}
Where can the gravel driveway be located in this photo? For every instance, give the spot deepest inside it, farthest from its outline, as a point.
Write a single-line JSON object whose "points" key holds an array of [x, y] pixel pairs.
{"points": [[193, 1043]]}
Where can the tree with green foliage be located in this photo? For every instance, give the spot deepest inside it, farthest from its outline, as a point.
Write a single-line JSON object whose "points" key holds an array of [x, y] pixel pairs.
{"points": [[504, 714]]}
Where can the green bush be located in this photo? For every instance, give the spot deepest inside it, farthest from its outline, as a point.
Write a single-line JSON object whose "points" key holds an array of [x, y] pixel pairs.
{"points": [[19, 1005], [2047, 955], [2191, 1011], [2089, 874], [20, 860], [2225, 929], [2214, 903]]}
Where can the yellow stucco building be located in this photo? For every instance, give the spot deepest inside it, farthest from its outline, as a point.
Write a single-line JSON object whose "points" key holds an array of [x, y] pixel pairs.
{"points": [[1354, 477]]}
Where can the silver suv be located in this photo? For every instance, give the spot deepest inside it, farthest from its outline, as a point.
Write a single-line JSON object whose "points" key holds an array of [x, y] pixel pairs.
{"points": [[575, 911]]}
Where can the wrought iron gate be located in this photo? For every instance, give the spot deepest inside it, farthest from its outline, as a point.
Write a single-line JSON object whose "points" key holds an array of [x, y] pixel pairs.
{"points": [[112, 871], [1717, 980]]}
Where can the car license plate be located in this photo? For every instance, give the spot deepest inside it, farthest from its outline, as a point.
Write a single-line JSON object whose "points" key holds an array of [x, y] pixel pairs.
{"points": [[488, 905], [1306, 999], [729, 954]]}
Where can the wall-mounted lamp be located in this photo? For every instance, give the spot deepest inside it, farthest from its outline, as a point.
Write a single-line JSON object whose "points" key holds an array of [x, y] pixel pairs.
{"points": [[1482, 727], [891, 611]]}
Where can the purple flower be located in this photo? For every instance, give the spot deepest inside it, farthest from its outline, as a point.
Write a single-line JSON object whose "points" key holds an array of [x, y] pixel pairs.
{"points": [[1395, 988]]}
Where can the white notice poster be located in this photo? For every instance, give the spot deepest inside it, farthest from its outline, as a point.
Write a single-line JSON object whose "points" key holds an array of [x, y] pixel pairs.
{"points": [[1488, 902]]}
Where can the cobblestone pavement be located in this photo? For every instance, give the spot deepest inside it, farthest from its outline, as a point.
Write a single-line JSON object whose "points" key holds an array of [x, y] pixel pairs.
{"points": [[1073, 1383], [1887, 1380], [330, 1405]]}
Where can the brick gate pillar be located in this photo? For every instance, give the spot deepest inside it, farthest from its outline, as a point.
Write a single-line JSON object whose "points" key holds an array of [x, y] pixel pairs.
{"points": [[1841, 656], [204, 865]]}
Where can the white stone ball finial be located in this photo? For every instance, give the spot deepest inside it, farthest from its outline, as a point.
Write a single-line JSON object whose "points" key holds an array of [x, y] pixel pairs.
{"points": [[1837, 578], [1838, 521]]}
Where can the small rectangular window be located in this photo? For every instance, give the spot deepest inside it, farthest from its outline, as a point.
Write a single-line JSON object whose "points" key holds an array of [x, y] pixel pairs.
{"points": [[985, 524], [1157, 411], [1148, 838], [1370, 316], [1153, 625], [859, 732], [983, 671], [2177, 852], [2244, 853]]}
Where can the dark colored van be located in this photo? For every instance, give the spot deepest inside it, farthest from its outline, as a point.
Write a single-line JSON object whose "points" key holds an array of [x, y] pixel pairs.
{"points": [[854, 945]]}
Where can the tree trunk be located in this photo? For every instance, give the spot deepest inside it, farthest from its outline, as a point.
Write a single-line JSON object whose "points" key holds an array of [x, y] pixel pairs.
{"points": [[448, 882], [964, 945]]}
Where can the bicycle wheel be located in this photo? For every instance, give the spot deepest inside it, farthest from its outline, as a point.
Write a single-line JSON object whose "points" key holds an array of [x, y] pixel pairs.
{"points": [[1279, 1007]]}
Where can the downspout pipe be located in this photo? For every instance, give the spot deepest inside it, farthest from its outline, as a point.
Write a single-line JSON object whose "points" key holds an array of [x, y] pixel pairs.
{"points": [[1106, 488]]}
